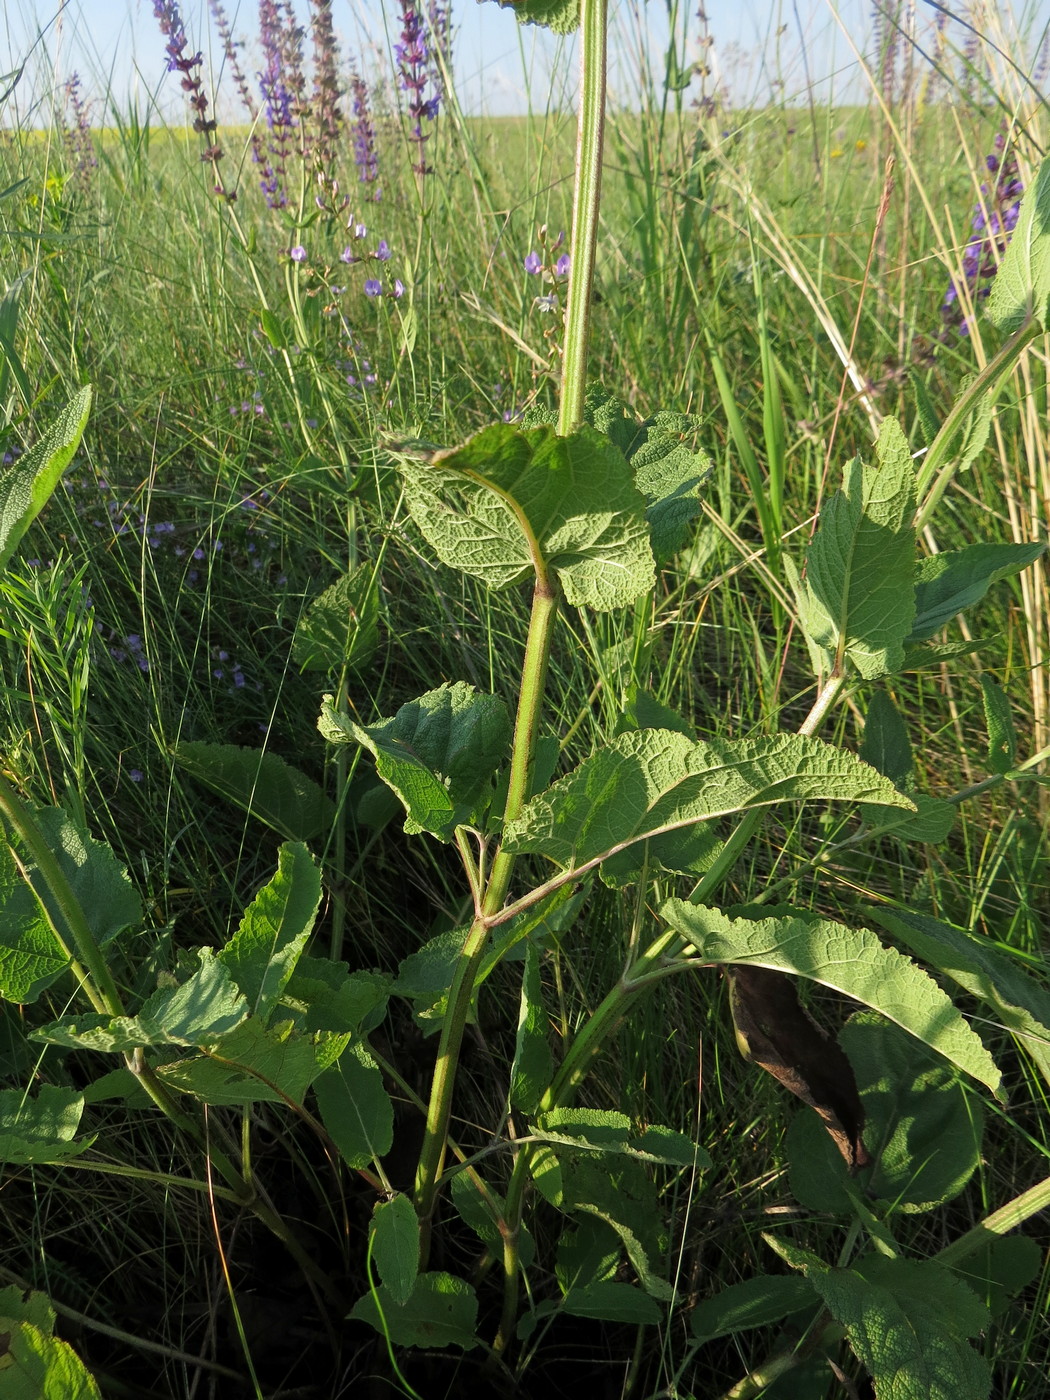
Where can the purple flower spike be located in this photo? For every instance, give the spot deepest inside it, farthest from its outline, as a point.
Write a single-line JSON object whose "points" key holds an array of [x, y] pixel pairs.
{"points": [[373, 287], [532, 263]]}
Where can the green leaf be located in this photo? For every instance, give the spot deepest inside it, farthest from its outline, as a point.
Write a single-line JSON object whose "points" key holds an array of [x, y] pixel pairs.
{"points": [[11, 365], [250, 1064], [204, 1008], [852, 960], [560, 16], [642, 710], [263, 785], [610, 1301], [886, 744], [36, 1366], [510, 502], [1021, 1004], [27, 483], [533, 1064], [1000, 1269], [355, 1107], [653, 781], [441, 1311], [262, 954], [817, 1172], [330, 999], [30, 957], [948, 583], [40, 1129], [438, 753], [922, 1129], [21, 1305], [340, 627], [907, 1321], [931, 821], [856, 601], [1002, 737], [757, 1302], [1022, 284], [426, 975], [395, 1246], [484, 1213]]}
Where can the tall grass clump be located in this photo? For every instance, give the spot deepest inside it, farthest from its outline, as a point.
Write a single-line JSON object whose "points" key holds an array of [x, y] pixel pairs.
{"points": [[502, 641]]}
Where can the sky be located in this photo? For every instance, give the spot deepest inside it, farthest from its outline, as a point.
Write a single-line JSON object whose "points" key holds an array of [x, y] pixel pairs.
{"points": [[116, 46]]}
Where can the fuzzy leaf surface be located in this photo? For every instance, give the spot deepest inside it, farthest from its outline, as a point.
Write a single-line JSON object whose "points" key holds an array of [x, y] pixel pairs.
{"points": [[757, 1302], [206, 1006], [438, 753], [1020, 1003], [1022, 285], [395, 1246], [999, 719], [948, 583], [340, 627], [856, 600], [30, 957], [355, 1107], [261, 784], [908, 1322], [37, 1366], [851, 960], [27, 483], [40, 1129], [511, 500], [262, 954], [441, 1311], [250, 1064], [652, 781], [559, 16], [533, 1064]]}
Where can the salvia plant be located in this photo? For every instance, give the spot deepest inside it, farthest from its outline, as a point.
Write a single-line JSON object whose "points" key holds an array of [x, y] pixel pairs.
{"points": [[582, 509]]}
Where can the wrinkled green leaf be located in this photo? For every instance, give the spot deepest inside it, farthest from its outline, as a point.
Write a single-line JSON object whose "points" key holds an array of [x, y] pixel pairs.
{"points": [[441, 1311], [1022, 283], [1020, 1003], [923, 1131], [950, 582], [40, 1129], [652, 781], [512, 500], [37, 1366], [28, 482], [395, 1246], [331, 999], [438, 753], [250, 1064], [262, 954], [611, 1301], [355, 1108], [340, 627], [642, 710], [907, 1321], [757, 1302], [203, 1008], [263, 785], [852, 960], [856, 600], [560, 16], [30, 957]]}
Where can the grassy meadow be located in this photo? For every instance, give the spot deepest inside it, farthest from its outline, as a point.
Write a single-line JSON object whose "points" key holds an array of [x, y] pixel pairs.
{"points": [[778, 273]]}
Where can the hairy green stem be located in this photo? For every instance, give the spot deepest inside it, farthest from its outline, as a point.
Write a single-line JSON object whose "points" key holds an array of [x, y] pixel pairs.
{"points": [[530, 704]]}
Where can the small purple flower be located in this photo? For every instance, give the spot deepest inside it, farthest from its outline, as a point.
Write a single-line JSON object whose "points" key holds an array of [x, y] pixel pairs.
{"points": [[360, 230], [561, 267], [533, 263], [135, 774], [399, 288], [383, 251], [298, 253], [373, 287], [347, 256]]}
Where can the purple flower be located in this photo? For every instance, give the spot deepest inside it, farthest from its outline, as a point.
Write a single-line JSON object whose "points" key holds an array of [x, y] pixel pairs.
{"points": [[347, 256], [373, 287], [365, 157], [383, 251], [561, 267], [135, 774], [533, 263], [399, 288], [298, 253], [993, 219]]}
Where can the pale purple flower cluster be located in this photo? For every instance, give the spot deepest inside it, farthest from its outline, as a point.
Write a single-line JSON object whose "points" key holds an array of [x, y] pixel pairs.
{"points": [[994, 219], [327, 113], [414, 68], [365, 157], [78, 140], [166, 12]]}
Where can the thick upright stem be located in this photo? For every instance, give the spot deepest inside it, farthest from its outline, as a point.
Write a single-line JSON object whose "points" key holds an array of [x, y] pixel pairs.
{"points": [[586, 204], [530, 703]]}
